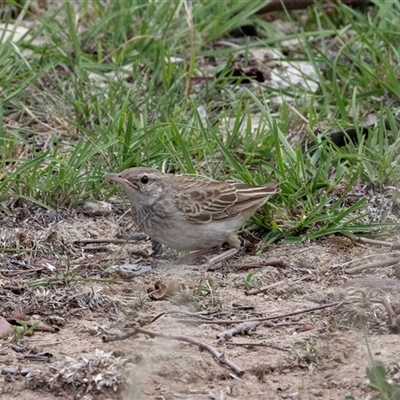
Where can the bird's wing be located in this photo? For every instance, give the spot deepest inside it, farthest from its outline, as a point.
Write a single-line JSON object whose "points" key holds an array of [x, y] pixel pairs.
{"points": [[249, 196], [204, 201]]}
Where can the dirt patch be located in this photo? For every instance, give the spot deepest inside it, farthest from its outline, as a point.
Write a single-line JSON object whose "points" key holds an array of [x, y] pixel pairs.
{"points": [[319, 354]]}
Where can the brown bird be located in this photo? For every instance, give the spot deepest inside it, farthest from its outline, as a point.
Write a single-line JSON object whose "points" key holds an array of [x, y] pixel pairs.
{"points": [[189, 213]]}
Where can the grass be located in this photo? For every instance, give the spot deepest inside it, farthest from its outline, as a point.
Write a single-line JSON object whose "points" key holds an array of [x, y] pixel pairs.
{"points": [[249, 279], [378, 381], [100, 86], [108, 86], [22, 329]]}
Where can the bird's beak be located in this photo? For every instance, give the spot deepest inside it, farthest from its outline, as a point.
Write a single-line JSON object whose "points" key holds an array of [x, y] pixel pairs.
{"points": [[122, 181]]}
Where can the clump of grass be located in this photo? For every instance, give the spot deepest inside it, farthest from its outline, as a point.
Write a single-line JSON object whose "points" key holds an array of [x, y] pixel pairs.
{"points": [[107, 86]]}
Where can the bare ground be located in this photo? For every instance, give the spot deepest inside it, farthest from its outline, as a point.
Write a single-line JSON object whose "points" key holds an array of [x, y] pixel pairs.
{"points": [[318, 354]]}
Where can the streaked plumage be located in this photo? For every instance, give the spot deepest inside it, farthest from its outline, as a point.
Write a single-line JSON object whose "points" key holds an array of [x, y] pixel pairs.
{"points": [[189, 213]]}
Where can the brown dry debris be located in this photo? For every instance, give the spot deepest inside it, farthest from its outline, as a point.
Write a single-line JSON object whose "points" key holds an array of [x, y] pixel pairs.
{"points": [[58, 281], [93, 374]]}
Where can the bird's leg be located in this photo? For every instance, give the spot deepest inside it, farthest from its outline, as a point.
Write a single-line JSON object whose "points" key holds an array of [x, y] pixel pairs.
{"points": [[233, 241], [215, 262], [197, 256], [239, 243]]}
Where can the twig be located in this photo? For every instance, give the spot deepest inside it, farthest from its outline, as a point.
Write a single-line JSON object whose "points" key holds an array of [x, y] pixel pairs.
{"points": [[279, 283], [376, 264], [272, 325], [373, 283], [220, 357], [37, 357], [96, 248], [14, 371], [249, 344], [214, 262], [392, 245], [132, 39], [273, 262], [187, 313], [393, 323], [10, 273], [299, 114], [228, 321], [244, 327], [109, 240]]}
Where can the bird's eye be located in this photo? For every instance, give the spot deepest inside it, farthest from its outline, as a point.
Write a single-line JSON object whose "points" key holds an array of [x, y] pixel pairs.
{"points": [[144, 179]]}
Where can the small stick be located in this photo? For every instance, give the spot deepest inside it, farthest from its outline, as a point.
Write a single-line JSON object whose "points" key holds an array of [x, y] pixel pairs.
{"points": [[228, 321], [96, 248], [244, 327], [223, 256], [110, 240], [10, 273], [393, 324], [202, 346], [363, 240], [210, 265], [213, 263], [249, 344], [375, 264], [187, 313], [279, 283], [272, 325], [273, 262], [14, 371], [392, 245], [37, 357]]}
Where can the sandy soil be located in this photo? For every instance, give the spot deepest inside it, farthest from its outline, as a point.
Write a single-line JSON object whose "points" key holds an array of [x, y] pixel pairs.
{"points": [[321, 354]]}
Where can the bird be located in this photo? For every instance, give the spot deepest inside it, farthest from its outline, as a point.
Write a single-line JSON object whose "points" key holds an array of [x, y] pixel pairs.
{"points": [[190, 213]]}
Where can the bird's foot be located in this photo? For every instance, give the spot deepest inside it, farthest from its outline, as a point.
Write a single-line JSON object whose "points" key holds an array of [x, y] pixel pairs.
{"points": [[216, 261], [197, 257], [199, 260]]}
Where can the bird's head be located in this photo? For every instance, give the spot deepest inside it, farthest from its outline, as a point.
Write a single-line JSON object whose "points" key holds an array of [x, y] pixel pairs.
{"points": [[143, 186]]}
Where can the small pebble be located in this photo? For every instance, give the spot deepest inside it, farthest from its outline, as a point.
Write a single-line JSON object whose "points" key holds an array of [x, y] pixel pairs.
{"points": [[97, 208]]}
